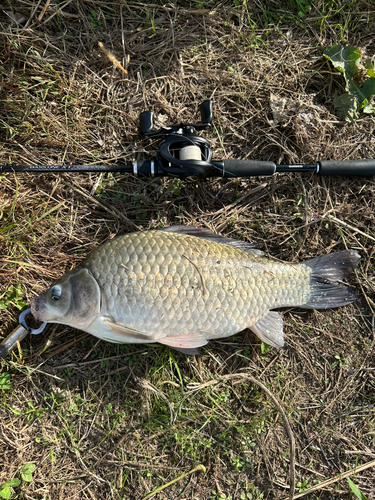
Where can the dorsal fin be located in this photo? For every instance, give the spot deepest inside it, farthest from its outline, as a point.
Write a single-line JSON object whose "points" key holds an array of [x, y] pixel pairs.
{"points": [[201, 232]]}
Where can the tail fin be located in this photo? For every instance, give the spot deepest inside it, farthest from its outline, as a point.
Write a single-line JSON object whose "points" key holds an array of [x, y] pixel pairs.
{"points": [[326, 271]]}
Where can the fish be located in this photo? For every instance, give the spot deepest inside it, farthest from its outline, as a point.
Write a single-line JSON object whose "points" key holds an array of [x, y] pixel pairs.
{"points": [[183, 286]]}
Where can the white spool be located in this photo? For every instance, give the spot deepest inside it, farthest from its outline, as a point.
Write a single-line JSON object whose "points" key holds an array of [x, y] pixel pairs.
{"points": [[190, 153]]}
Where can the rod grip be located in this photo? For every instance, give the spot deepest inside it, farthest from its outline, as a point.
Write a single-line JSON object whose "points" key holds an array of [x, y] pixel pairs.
{"points": [[362, 168], [248, 168]]}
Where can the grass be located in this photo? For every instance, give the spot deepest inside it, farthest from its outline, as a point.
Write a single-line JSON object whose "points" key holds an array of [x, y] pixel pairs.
{"points": [[109, 421]]}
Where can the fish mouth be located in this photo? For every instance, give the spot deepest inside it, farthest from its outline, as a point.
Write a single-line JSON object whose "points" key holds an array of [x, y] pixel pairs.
{"points": [[37, 308]]}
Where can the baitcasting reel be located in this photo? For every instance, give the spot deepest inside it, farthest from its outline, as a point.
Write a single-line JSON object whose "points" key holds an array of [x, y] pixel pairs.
{"points": [[182, 152]]}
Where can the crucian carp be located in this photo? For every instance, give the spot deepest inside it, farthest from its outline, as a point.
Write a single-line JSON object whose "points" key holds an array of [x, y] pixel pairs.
{"points": [[184, 286]]}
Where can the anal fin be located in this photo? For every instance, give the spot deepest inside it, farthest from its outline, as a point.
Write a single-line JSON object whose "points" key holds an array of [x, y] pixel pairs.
{"points": [[184, 342], [270, 329]]}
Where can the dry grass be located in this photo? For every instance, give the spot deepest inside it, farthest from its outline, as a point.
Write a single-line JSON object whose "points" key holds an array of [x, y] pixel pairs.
{"points": [[107, 421]]}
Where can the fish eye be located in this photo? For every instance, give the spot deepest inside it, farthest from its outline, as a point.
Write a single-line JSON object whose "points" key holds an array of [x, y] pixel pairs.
{"points": [[56, 293]]}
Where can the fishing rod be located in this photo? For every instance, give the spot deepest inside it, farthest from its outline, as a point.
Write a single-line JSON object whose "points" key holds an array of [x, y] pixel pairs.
{"points": [[183, 154]]}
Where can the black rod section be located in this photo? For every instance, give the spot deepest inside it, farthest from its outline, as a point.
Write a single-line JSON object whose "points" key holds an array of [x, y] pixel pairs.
{"points": [[296, 168], [66, 168]]}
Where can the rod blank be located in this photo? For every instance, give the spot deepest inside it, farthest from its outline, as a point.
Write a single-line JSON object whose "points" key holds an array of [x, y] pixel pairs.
{"points": [[227, 168]]}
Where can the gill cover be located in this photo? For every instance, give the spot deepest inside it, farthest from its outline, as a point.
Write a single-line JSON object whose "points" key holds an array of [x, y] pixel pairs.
{"points": [[74, 299]]}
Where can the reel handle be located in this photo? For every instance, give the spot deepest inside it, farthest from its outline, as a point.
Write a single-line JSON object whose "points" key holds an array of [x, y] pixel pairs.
{"points": [[206, 112], [146, 119]]}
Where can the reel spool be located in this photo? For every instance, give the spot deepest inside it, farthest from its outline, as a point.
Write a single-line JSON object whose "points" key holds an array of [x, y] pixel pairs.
{"points": [[191, 153]]}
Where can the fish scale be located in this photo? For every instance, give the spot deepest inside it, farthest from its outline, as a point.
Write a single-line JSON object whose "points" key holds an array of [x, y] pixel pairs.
{"points": [[184, 286]]}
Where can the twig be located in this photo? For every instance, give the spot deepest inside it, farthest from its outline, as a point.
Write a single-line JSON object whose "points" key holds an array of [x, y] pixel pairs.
{"points": [[359, 452], [331, 217], [63, 347], [35, 370], [111, 210], [343, 475], [44, 10], [9, 88], [160, 433], [147, 385], [59, 10], [198, 467], [112, 58], [306, 468]]}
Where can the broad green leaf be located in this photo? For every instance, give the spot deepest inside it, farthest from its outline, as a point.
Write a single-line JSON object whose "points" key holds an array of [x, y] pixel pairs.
{"points": [[369, 67], [345, 60], [264, 348], [368, 91], [27, 476], [356, 490], [27, 472], [13, 483], [346, 106], [5, 492], [364, 94], [29, 467]]}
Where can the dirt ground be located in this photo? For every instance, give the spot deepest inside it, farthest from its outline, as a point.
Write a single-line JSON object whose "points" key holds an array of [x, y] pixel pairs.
{"points": [[105, 421]]}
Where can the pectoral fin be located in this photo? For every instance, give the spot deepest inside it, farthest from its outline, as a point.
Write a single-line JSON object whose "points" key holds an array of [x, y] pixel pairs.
{"points": [[123, 334], [115, 332], [270, 329]]}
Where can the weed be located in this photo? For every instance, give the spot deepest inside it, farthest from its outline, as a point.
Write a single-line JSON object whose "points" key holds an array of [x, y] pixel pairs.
{"points": [[5, 382], [356, 490], [27, 472], [150, 16], [303, 486], [94, 19], [347, 60], [5, 489], [26, 475], [175, 187], [252, 494], [13, 296], [220, 496], [303, 7], [340, 361], [265, 348]]}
